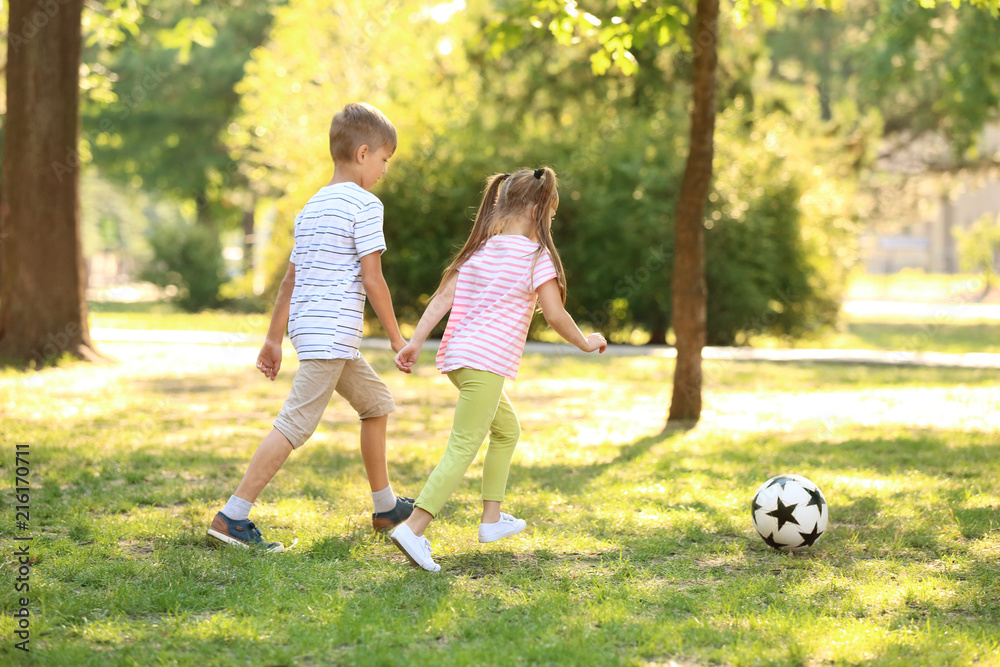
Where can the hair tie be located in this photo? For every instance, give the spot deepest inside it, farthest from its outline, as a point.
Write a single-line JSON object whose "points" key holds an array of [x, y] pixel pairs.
{"points": [[504, 175], [538, 173]]}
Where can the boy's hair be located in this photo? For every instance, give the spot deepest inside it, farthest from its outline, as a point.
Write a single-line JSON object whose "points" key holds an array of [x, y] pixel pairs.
{"points": [[358, 124], [510, 196]]}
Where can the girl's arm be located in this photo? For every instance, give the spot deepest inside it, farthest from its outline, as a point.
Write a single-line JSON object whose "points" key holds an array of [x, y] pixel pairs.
{"points": [[436, 309], [562, 322]]}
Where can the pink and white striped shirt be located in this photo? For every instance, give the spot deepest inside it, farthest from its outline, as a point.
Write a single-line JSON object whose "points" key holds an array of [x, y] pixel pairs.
{"points": [[495, 299]]}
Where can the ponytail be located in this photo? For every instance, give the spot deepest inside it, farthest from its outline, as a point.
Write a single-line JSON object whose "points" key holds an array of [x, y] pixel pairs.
{"points": [[548, 197], [482, 228], [508, 196]]}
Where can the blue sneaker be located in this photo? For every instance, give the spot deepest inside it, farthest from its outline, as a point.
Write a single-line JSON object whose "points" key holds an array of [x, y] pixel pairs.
{"points": [[242, 533], [401, 512]]}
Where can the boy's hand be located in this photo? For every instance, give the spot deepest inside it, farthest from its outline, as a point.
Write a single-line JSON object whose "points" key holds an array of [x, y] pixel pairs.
{"points": [[397, 345], [407, 357], [596, 341], [269, 359]]}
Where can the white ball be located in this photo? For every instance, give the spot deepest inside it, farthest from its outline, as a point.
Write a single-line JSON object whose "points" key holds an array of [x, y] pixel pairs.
{"points": [[789, 512]]}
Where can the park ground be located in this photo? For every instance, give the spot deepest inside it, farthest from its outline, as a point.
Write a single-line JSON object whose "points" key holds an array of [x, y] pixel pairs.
{"points": [[639, 550]]}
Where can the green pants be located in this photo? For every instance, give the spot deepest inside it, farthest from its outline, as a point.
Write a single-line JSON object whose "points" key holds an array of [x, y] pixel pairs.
{"points": [[483, 408]]}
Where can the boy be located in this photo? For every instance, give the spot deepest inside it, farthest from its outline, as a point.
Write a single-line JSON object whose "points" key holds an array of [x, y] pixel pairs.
{"points": [[335, 262]]}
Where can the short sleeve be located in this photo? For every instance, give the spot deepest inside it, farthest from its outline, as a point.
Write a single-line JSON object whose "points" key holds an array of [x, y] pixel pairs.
{"points": [[544, 271], [368, 236], [295, 240]]}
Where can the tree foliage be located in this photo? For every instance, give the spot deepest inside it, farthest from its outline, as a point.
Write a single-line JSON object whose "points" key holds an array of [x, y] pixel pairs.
{"points": [[617, 143], [227, 104], [979, 249], [925, 68], [164, 96]]}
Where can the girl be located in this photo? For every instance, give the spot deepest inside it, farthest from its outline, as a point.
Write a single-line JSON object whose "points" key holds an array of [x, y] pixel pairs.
{"points": [[491, 289]]}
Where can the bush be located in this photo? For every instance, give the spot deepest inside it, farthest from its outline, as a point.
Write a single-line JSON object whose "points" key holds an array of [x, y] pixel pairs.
{"points": [[778, 234], [189, 257]]}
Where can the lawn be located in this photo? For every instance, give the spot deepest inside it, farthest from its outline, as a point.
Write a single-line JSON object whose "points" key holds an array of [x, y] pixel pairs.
{"points": [[943, 334], [639, 549]]}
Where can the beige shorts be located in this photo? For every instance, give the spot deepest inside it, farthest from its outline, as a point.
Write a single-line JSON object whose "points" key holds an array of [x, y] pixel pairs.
{"points": [[313, 386]]}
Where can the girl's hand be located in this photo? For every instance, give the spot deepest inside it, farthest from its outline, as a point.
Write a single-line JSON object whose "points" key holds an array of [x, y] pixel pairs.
{"points": [[407, 357], [596, 341]]}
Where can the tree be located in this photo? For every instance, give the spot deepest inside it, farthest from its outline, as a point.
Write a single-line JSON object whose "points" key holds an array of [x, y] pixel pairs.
{"points": [[688, 286], [634, 26], [43, 307], [172, 103], [979, 249], [43, 310]]}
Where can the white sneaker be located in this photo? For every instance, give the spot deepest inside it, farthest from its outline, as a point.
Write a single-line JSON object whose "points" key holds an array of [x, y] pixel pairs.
{"points": [[417, 549], [505, 527]]}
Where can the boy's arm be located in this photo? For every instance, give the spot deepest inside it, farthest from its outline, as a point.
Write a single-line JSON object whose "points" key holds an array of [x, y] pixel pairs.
{"points": [[269, 358], [435, 310], [562, 322], [378, 294]]}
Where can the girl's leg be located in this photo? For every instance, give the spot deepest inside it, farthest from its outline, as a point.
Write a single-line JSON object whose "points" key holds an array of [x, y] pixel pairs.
{"points": [[419, 520], [479, 395], [504, 433], [491, 511]]}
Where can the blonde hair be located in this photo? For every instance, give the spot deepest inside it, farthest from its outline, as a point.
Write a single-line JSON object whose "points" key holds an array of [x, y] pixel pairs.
{"points": [[508, 197], [356, 125]]}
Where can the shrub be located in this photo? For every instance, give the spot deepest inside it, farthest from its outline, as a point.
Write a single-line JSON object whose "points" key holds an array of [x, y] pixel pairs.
{"points": [[189, 257]]}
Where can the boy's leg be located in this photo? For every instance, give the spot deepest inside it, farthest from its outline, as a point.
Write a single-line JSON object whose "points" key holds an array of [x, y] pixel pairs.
{"points": [[300, 415], [266, 461], [361, 386], [373, 451]]}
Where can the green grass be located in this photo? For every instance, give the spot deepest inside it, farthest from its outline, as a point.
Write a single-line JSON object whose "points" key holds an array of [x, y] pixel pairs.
{"points": [[958, 338], [868, 334], [164, 315], [914, 285], [953, 336], [639, 549]]}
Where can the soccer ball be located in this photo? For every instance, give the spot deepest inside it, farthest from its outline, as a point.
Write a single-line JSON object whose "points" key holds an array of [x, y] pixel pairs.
{"points": [[789, 512]]}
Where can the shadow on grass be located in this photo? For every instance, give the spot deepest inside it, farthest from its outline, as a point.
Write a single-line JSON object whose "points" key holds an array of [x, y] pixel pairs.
{"points": [[573, 477], [976, 522], [939, 452], [173, 386]]}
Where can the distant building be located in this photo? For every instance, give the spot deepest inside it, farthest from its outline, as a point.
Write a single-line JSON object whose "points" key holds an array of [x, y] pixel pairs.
{"points": [[928, 242]]}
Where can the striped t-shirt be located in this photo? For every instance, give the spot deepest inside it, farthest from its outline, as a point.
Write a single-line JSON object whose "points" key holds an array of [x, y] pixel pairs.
{"points": [[336, 228], [495, 298]]}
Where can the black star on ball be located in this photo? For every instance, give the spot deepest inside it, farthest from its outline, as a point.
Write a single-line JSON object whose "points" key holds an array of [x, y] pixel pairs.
{"points": [[784, 513], [815, 498], [771, 541], [808, 539], [755, 506], [781, 480]]}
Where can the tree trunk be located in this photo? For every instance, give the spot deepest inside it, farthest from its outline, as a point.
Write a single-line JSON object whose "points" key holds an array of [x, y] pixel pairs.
{"points": [[248, 238], [43, 307], [688, 286]]}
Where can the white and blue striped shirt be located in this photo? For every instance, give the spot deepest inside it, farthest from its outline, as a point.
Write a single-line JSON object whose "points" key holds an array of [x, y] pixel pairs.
{"points": [[336, 228]]}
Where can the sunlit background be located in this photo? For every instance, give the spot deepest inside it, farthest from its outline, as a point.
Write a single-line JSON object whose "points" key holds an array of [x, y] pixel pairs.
{"points": [[856, 151]]}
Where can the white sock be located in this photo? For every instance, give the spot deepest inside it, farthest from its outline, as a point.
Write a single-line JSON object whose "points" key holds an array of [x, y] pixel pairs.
{"points": [[237, 509], [384, 500]]}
